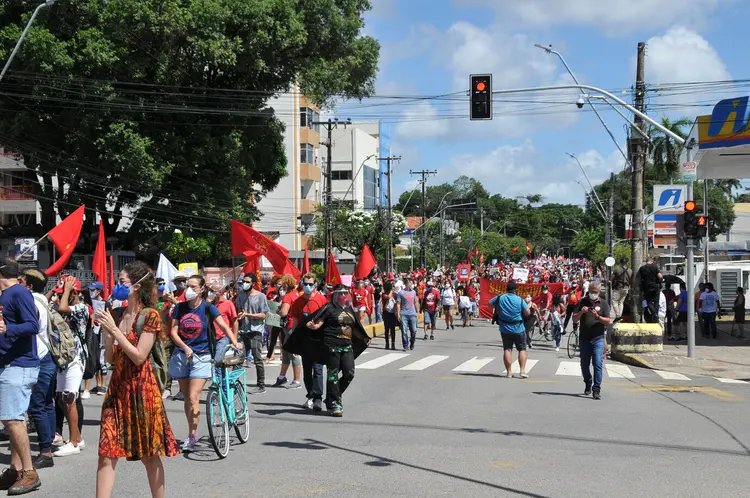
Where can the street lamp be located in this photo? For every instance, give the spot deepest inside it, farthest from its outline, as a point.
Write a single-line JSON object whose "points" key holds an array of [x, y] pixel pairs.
{"points": [[600, 206], [343, 199], [23, 35]]}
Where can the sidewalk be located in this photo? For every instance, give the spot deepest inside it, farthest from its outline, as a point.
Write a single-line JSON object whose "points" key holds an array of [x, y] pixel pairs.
{"points": [[725, 357]]}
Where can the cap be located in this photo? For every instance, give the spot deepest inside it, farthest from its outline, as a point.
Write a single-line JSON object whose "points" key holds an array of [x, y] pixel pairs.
{"points": [[96, 286], [179, 276]]}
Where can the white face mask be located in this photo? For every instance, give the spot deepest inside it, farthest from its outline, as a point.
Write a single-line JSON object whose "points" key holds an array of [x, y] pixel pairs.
{"points": [[190, 294], [247, 287], [593, 296], [447, 286], [94, 294], [282, 293]]}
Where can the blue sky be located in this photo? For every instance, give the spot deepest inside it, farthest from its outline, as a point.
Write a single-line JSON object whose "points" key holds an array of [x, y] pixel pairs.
{"points": [[429, 47]]}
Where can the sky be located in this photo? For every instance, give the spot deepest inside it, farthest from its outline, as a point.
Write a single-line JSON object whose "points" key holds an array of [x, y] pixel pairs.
{"points": [[430, 47]]}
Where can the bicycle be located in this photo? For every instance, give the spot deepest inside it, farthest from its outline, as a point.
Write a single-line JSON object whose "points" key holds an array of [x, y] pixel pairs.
{"points": [[573, 345], [219, 415]]}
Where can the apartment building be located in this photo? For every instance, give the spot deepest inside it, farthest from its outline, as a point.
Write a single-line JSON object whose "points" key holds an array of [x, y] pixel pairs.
{"points": [[292, 203]]}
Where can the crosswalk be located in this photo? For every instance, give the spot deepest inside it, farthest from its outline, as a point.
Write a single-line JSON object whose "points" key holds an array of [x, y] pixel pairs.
{"points": [[375, 360]]}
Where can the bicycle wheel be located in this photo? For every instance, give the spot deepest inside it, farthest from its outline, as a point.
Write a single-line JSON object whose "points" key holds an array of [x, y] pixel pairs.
{"points": [[218, 428], [572, 344], [241, 413]]}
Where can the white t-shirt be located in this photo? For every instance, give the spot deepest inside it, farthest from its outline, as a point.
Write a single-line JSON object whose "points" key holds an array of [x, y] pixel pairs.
{"points": [[41, 345], [449, 297]]}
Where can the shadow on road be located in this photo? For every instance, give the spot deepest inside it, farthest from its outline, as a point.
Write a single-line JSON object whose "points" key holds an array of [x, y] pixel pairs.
{"points": [[295, 446], [572, 395]]}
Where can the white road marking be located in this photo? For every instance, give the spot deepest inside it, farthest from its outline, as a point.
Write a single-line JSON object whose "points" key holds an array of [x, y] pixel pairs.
{"points": [[671, 375], [570, 368], [515, 368], [731, 381], [424, 362], [382, 361], [619, 371], [473, 365]]}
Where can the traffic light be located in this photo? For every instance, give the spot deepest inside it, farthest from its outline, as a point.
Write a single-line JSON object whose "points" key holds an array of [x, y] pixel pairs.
{"points": [[481, 97], [690, 220], [702, 226]]}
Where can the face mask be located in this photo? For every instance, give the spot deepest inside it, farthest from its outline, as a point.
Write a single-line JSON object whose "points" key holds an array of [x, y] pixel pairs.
{"points": [[94, 294], [528, 299], [211, 295], [447, 286], [308, 288], [593, 296], [54, 298], [121, 292], [161, 288], [544, 292], [247, 286], [342, 301], [282, 293], [190, 294]]}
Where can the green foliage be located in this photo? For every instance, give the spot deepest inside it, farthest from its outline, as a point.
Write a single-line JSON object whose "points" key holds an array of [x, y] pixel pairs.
{"points": [[161, 106], [186, 249], [353, 228], [720, 208], [319, 271], [665, 152]]}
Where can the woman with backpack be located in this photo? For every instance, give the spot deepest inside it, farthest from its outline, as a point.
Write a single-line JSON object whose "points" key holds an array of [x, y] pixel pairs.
{"points": [[390, 319], [133, 394]]}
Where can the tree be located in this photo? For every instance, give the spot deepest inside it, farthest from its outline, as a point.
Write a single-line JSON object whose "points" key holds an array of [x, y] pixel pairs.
{"points": [[142, 105], [665, 152], [353, 228]]}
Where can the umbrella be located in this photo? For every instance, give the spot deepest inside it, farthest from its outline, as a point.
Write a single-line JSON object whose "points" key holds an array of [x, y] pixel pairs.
{"points": [[673, 279]]}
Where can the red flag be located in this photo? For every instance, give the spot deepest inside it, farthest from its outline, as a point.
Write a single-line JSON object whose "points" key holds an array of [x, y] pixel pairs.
{"points": [[252, 265], [245, 238], [468, 255], [65, 237], [528, 248], [481, 258], [332, 274], [365, 264], [476, 251], [515, 249], [111, 272], [291, 269], [99, 265], [306, 262]]}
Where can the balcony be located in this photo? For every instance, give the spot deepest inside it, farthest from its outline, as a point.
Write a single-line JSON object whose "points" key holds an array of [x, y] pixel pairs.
{"points": [[17, 199], [11, 162], [309, 172]]}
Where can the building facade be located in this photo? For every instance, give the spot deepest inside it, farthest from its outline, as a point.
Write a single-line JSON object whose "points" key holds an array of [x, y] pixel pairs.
{"points": [[290, 206], [354, 167]]}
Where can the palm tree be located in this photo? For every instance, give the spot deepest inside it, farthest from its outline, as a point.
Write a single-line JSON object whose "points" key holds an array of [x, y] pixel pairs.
{"points": [[665, 153]]}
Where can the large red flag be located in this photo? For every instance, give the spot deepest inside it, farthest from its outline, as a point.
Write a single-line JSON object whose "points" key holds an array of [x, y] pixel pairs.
{"points": [[252, 265], [65, 237], [306, 263], [365, 264], [245, 238], [99, 265], [291, 269], [332, 274]]}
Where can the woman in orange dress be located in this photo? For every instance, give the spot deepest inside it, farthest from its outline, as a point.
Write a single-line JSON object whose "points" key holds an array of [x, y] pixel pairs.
{"points": [[134, 422]]}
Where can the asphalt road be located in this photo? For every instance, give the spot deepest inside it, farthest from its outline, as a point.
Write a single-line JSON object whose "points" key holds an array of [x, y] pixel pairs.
{"points": [[434, 431]]}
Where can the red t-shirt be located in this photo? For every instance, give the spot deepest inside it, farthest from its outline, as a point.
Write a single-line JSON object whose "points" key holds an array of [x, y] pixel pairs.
{"points": [[290, 298], [303, 308], [228, 313], [271, 293], [359, 298], [471, 293], [431, 300]]}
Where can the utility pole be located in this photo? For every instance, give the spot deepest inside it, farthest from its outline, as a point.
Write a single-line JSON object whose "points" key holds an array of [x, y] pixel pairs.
{"points": [[638, 160], [611, 233], [329, 125], [389, 246], [690, 270], [423, 233]]}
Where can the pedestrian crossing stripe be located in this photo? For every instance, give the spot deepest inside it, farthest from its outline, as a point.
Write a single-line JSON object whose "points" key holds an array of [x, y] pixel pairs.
{"points": [[424, 363], [473, 365], [671, 375], [731, 381], [619, 371], [570, 368], [382, 361], [516, 368]]}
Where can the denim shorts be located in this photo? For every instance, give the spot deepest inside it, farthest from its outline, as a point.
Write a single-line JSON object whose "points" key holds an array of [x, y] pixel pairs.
{"points": [[199, 367], [430, 317], [15, 391]]}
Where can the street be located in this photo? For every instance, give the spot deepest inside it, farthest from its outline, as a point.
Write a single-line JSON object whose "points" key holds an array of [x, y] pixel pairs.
{"points": [[434, 431]]}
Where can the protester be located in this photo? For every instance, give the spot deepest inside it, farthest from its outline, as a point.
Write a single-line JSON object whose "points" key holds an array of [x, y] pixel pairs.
{"points": [[510, 310], [252, 306], [593, 315]]}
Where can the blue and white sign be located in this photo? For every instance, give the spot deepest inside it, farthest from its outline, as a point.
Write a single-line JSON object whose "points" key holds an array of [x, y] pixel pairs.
{"points": [[669, 201]]}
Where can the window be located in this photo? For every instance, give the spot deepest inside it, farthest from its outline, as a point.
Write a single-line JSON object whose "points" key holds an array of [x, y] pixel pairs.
{"points": [[371, 187], [307, 153], [308, 117], [341, 175]]}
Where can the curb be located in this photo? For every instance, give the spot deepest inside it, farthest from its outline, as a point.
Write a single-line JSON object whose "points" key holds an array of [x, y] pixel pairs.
{"points": [[633, 360], [377, 329]]}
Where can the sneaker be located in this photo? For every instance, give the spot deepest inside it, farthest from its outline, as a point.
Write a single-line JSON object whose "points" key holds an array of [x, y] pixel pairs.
{"points": [[28, 481], [338, 411], [167, 394], [557, 350], [82, 444], [432, 337], [597, 394], [4, 436], [43, 461], [425, 337], [295, 384], [85, 395], [318, 405], [508, 375], [189, 444], [452, 327], [258, 390], [587, 391], [8, 478], [179, 396], [101, 391], [67, 450], [524, 375], [58, 441], [280, 381], [308, 405]]}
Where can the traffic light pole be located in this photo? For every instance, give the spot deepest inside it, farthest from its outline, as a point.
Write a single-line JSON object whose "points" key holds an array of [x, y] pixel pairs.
{"points": [[690, 271]]}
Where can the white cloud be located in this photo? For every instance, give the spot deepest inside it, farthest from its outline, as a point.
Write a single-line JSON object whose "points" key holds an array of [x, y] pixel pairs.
{"points": [[523, 170], [421, 121], [611, 16]]}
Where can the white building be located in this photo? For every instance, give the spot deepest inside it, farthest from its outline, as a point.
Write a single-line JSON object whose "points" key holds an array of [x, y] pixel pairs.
{"points": [[354, 164], [18, 207], [295, 198]]}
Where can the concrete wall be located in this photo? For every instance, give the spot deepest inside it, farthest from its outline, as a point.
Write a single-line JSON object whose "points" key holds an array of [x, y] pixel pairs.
{"points": [[740, 231], [352, 148]]}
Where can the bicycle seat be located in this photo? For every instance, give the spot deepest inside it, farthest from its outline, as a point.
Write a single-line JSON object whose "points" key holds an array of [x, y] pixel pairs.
{"points": [[231, 357]]}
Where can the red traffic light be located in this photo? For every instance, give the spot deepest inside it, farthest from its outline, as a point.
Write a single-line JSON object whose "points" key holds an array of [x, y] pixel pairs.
{"points": [[481, 86], [690, 206]]}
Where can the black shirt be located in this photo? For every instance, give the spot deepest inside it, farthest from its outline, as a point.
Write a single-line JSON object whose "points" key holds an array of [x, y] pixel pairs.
{"points": [[338, 325], [378, 290], [591, 328], [649, 279]]}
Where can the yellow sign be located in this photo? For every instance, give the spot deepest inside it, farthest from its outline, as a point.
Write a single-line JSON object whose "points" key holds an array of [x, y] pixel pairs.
{"points": [[188, 269]]}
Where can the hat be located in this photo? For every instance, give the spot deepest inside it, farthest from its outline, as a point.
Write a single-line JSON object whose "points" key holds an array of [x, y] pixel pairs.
{"points": [[96, 286], [179, 276]]}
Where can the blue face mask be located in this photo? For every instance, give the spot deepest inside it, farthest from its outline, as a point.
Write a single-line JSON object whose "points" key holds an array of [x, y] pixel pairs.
{"points": [[161, 288], [309, 288], [121, 292]]}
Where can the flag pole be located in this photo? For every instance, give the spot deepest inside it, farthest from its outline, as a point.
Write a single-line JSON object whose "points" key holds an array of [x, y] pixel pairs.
{"points": [[32, 246]]}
